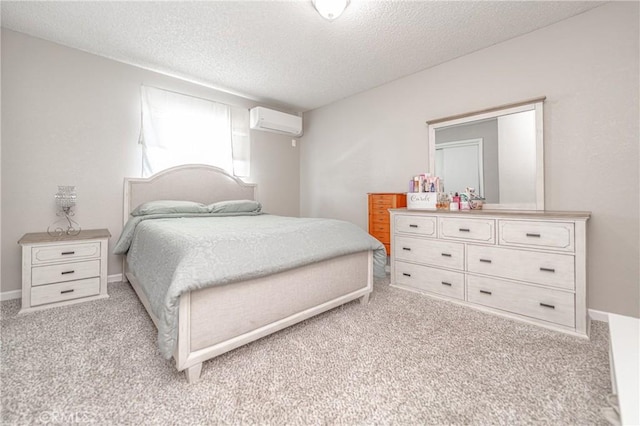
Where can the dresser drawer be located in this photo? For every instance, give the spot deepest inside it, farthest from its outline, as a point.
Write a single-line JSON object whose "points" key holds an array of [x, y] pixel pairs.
{"points": [[540, 303], [65, 272], [439, 281], [64, 291], [378, 211], [481, 230], [430, 252], [380, 200], [551, 269], [383, 237], [559, 236], [54, 253], [419, 225], [379, 219], [377, 227]]}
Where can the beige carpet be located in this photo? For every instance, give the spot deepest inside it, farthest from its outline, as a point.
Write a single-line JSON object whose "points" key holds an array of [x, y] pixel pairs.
{"points": [[403, 359]]}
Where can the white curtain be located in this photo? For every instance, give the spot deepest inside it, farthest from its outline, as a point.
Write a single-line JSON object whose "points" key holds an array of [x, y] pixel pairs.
{"points": [[241, 142], [179, 129]]}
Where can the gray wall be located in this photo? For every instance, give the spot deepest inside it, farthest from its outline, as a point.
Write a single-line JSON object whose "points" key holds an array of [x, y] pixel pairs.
{"points": [[69, 117], [586, 66]]}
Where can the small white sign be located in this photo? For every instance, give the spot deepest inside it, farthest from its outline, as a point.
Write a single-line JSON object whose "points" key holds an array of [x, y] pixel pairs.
{"points": [[422, 200]]}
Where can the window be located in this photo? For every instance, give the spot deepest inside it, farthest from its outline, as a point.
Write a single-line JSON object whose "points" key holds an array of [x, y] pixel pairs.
{"points": [[179, 129]]}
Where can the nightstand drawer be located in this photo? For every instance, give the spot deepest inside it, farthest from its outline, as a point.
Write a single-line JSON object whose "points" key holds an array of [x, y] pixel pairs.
{"points": [[61, 252], [64, 272], [64, 291], [480, 230], [540, 303]]}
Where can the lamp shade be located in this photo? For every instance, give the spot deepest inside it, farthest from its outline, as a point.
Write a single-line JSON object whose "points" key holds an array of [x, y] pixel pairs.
{"points": [[330, 9], [65, 200], [66, 196]]}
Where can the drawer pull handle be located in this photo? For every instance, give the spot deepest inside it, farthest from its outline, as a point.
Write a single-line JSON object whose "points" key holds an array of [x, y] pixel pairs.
{"points": [[66, 291], [485, 260], [544, 305], [406, 275], [547, 269], [67, 272], [413, 226], [446, 254], [463, 229], [406, 248], [446, 283], [533, 235], [64, 253], [485, 292]]}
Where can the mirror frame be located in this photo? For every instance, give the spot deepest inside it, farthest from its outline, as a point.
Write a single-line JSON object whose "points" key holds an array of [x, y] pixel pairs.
{"points": [[529, 105]]}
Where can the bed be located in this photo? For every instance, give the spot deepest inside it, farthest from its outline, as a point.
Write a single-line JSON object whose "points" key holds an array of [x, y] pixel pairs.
{"points": [[216, 319]]}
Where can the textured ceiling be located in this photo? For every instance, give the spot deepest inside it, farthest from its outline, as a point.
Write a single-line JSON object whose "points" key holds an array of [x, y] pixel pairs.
{"points": [[282, 52]]}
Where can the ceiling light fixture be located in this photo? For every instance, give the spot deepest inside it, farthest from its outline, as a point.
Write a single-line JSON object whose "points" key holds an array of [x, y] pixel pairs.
{"points": [[330, 9]]}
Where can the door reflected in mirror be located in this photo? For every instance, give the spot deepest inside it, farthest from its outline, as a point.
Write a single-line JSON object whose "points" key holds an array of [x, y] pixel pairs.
{"points": [[460, 164], [497, 152]]}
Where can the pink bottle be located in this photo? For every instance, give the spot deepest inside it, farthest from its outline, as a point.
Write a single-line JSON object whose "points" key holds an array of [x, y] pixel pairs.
{"points": [[455, 203]]}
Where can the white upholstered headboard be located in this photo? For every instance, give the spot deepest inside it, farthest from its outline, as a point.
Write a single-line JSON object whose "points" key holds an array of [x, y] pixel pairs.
{"points": [[191, 182]]}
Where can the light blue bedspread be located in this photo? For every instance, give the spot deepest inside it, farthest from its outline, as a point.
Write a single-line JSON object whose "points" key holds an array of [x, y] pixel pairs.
{"points": [[174, 254]]}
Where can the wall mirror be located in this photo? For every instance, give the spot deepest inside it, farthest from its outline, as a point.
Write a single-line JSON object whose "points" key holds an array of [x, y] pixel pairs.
{"points": [[496, 151]]}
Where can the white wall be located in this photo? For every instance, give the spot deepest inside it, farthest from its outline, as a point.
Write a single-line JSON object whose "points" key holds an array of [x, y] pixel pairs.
{"points": [[586, 66], [69, 117]]}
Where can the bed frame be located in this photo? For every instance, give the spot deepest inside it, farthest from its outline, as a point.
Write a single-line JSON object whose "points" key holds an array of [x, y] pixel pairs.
{"points": [[217, 319]]}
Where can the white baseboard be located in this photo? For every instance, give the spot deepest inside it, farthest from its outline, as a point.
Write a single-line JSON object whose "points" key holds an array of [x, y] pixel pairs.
{"points": [[599, 315], [10, 295], [115, 278]]}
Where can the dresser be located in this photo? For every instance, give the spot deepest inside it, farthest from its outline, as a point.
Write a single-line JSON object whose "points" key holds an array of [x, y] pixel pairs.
{"points": [[62, 270], [379, 205], [525, 265]]}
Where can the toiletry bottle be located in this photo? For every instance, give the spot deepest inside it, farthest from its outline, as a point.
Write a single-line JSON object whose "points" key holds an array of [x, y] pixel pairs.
{"points": [[455, 203]]}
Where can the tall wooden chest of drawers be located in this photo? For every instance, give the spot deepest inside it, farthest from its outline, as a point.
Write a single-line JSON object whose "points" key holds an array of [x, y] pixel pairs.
{"points": [[379, 205], [526, 265]]}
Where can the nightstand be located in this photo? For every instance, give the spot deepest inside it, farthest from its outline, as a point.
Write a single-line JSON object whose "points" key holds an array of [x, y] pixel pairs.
{"points": [[58, 271]]}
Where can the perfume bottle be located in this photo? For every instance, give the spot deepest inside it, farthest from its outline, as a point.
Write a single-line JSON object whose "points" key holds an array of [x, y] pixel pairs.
{"points": [[455, 202]]}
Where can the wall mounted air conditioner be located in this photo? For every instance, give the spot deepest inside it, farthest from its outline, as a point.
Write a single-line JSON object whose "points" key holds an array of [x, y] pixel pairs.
{"points": [[269, 120]]}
